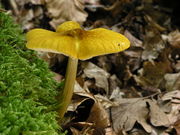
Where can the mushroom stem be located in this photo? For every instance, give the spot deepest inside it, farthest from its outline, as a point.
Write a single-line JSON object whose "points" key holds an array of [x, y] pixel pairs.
{"points": [[70, 78]]}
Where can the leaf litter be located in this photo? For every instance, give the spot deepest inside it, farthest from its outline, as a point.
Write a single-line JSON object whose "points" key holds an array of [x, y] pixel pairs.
{"points": [[132, 92]]}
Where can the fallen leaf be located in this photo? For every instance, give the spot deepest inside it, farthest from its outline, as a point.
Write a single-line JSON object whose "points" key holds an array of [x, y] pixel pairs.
{"points": [[174, 38], [91, 2], [173, 95], [98, 116], [130, 111], [134, 56], [153, 44], [174, 98], [79, 96], [82, 128], [50, 58], [172, 81], [37, 2], [116, 94], [117, 7], [133, 40], [74, 131], [100, 75], [152, 73], [27, 17], [177, 127], [105, 102], [153, 23], [137, 131], [65, 10], [157, 116], [114, 84], [109, 131], [177, 66]]}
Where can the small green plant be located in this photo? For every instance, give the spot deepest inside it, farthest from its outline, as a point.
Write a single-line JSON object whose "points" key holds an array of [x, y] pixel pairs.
{"points": [[27, 90]]}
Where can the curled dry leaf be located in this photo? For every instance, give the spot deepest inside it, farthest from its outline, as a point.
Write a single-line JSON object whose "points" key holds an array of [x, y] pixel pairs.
{"points": [[117, 7], [75, 129], [177, 127], [114, 85], [65, 10], [133, 40], [100, 75], [174, 98], [157, 116], [153, 44], [91, 2], [152, 73], [99, 116], [28, 18], [128, 113], [134, 56], [177, 66], [48, 57], [109, 131], [37, 2], [174, 39], [137, 110], [105, 102], [172, 81], [153, 22], [79, 96]]}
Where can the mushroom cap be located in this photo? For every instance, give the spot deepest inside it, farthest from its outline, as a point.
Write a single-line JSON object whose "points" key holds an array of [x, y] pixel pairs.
{"points": [[71, 40]]}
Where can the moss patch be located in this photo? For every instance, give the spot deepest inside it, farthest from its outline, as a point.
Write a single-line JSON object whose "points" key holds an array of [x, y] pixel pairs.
{"points": [[27, 90]]}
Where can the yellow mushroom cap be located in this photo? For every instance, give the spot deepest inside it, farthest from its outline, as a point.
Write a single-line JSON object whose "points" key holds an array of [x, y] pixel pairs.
{"points": [[71, 40]]}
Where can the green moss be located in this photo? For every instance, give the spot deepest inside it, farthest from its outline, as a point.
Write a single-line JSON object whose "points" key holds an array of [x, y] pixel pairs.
{"points": [[27, 90]]}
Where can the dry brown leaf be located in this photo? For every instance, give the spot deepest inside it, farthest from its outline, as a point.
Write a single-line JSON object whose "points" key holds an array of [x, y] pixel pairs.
{"points": [[37, 2], [79, 96], [100, 75], [133, 40], [114, 85], [173, 95], [174, 39], [105, 102], [128, 113], [137, 110], [172, 81], [50, 58], [99, 116], [153, 44], [177, 127], [74, 131], [27, 17], [154, 23], [91, 2], [109, 131], [177, 66], [82, 128], [117, 7], [134, 56], [174, 98], [137, 131], [157, 116], [152, 74], [65, 10]]}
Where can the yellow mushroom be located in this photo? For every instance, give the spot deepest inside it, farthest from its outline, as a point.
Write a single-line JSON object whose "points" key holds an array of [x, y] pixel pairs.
{"points": [[71, 40]]}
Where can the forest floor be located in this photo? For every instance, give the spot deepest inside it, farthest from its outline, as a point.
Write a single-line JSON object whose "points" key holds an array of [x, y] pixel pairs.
{"points": [[134, 92]]}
